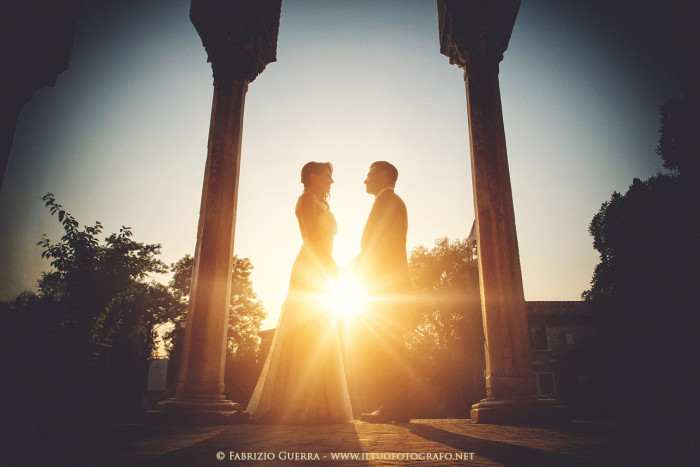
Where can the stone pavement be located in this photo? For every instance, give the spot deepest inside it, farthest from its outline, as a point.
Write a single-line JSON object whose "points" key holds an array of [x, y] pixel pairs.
{"points": [[421, 442]]}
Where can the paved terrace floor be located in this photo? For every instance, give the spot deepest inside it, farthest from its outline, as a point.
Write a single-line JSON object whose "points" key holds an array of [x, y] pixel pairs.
{"points": [[421, 442]]}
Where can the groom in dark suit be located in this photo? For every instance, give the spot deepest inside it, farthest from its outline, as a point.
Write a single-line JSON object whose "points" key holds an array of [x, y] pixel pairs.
{"points": [[382, 264]]}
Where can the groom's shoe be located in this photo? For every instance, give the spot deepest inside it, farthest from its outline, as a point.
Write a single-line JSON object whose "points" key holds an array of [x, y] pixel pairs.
{"points": [[375, 417], [383, 416]]}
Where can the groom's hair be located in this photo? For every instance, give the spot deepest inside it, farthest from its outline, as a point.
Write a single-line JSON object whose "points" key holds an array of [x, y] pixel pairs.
{"points": [[391, 173]]}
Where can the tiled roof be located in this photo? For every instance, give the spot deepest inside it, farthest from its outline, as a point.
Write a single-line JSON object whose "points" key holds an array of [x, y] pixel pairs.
{"points": [[552, 308]]}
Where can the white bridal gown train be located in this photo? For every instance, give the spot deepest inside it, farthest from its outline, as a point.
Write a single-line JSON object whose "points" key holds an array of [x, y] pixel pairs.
{"points": [[303, 379]]}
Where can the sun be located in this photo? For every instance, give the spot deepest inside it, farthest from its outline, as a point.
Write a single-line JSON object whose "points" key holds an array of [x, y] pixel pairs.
{"points": [[346, 297]]}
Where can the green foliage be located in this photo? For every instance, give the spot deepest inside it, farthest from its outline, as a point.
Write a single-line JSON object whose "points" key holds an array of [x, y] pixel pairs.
{"points": [[246, 314], [182, 276], [98, 289], [659, 211], [447, 343], [446, 279], [246, 311], [679, 141], [645, 284], [91, 324]]}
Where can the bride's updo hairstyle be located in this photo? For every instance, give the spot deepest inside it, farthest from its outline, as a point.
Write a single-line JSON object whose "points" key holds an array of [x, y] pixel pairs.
{"points": [[315, 168]]}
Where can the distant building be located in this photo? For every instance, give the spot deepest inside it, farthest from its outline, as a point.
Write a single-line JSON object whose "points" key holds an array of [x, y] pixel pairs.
{"points": [[157, 374], [156, 385], [566, 338]]}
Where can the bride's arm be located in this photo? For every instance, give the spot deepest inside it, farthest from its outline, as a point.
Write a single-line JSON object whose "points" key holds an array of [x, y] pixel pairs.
{"points": [[309, 211]]}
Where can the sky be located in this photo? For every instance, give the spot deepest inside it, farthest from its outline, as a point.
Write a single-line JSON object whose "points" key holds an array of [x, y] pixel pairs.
{"points": [[122, 136]]}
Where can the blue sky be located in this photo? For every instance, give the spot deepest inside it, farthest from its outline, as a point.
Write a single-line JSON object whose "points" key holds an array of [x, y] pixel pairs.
{"points": [[122, 137]]}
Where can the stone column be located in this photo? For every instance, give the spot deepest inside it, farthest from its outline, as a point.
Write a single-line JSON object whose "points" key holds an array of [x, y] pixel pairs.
{"points": [[474, 34], [240, 38]]}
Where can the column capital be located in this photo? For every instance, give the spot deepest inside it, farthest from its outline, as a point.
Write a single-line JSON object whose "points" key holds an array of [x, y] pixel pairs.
{"points": [[240, 36], [475, 31]]}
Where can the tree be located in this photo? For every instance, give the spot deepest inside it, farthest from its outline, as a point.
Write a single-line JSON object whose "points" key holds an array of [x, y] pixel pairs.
{"points": [[246, 314], [644, 286], [91, 325], [180, 287], [447, 343], [679, 141], [246, 311], [182, 276], [101, 289]]}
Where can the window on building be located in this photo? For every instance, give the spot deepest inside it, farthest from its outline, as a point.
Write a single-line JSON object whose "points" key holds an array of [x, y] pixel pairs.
{"points": [[570, 338], [538, 335], [545, 384]]}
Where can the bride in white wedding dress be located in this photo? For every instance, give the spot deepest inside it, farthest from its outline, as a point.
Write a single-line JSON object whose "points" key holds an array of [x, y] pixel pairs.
{"points": [[303, 380]]}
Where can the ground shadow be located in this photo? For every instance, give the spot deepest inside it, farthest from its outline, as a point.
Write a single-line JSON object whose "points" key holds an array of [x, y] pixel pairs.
{"points": [[261, 440], [497, 451]]}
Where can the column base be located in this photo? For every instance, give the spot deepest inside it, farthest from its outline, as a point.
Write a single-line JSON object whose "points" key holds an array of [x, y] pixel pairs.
{"points": [[197, 412], [534, 410]]}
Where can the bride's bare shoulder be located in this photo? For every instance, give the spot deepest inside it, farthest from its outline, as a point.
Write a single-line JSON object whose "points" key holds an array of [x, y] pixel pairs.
{"points": [[308, 204], [306, 197]]}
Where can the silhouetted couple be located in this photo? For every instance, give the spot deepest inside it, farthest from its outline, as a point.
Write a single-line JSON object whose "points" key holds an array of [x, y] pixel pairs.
{"points": [[303, 379]]}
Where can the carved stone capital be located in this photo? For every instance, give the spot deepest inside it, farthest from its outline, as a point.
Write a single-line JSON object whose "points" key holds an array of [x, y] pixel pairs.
{"points": [[240, 36], [236, 61], [475, 32]]}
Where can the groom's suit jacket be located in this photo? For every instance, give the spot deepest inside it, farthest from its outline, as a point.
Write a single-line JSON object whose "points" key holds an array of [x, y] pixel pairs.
{"points": [[383, 247]]}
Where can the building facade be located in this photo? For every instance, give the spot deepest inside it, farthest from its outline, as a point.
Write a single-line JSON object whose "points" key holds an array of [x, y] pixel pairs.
{"points": [[566, 338]]}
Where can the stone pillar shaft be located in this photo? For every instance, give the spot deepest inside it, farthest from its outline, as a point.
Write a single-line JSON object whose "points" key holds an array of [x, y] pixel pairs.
{"points": [[240, 38], [474, 34], [203, 363], [508, 356]]}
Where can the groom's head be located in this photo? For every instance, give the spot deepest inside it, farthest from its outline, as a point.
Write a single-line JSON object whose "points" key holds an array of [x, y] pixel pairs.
{"points": [[381, 175]]}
